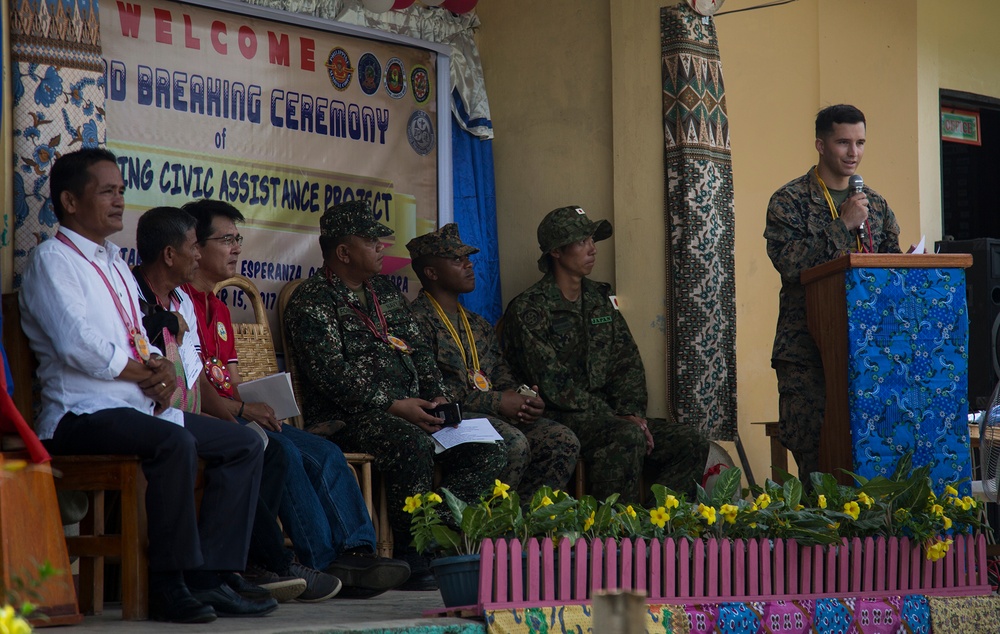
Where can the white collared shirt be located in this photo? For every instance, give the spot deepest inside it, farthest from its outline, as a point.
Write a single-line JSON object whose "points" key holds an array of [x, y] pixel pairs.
{"points": [[192, 342], [76, 332]]}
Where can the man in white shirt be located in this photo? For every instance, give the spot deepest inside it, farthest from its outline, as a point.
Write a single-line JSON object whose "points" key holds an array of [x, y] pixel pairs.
{"points": [[105, 390]]}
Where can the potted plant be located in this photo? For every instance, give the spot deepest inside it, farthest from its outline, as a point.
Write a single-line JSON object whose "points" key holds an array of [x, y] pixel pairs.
{"points": [[456, 532]]}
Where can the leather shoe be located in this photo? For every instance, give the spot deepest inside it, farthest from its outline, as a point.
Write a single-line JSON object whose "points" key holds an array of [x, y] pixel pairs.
{"points": [[244, 588], [226, 602], [175, 604]]}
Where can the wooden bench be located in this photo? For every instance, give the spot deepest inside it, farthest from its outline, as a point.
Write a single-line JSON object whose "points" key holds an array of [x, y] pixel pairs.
{"points": [[94, 475], [255, 349]]}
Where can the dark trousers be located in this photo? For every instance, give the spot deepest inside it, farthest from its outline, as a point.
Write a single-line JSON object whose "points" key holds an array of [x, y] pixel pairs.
{"points": [[180, 538], [267, 543]]}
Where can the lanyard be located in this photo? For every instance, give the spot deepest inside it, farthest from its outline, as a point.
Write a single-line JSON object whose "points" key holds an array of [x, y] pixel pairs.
{"points": [[833, 208], [454, 333], [381, 332], [137, 339]]}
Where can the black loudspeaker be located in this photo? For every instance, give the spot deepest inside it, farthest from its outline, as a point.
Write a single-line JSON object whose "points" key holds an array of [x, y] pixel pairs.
{"points": [[982, 281]]}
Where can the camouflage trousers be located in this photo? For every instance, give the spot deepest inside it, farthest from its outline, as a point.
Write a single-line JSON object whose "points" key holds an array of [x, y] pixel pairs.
{"points": [[539, 453], [614, 451], [801, 407], [404, 454]]}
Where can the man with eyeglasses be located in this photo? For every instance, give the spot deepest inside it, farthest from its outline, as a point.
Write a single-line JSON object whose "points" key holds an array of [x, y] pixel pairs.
{"points": [[322, 509]]}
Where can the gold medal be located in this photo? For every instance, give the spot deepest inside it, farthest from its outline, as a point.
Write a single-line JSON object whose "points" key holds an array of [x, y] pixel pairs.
{"points": [[478, 380], [399, 344], [141, 345]]}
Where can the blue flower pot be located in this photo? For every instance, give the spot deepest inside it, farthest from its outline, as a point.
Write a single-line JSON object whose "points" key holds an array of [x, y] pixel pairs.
{"points": [[458, 579]]}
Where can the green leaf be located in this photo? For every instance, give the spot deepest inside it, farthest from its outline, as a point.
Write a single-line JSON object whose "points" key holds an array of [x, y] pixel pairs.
{"points": [[792, 492], [456, 505], [726, 486]]}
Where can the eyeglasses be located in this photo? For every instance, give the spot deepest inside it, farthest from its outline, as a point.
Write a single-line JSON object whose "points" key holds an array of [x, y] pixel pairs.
{"points": [[228, 239]]}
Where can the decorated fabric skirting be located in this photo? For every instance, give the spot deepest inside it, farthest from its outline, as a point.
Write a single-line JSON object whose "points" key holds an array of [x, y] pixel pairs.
{"points": [[869, 615]]}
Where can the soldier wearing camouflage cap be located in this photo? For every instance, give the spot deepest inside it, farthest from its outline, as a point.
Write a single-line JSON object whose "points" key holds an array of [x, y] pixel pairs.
{"points": [[540, 451], [362, 359], [566, 335]]}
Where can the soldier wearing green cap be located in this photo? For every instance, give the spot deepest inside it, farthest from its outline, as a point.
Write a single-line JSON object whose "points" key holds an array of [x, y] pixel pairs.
{"points": [[540, 451], [566, 335], [362, 360]]}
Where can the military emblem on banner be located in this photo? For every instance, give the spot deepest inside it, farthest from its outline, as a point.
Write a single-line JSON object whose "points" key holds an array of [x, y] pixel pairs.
{"points": [[395, 78], [338, 66], [420, 82], [369, 74], [420, 132]]}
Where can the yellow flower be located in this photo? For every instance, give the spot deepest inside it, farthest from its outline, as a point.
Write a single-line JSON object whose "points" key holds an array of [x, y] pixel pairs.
{"points": [[671, 502], [630, 511], [433, 497], [545, 501], [833, 526], [947, 522], [950, 490], [763, 500], [587, 523], [10, 623], [413, 502], [659, 517], [937, 509], [14, 465], [932, 497], [500, 490], [799, 507], [866, 499], [821, 500], [852, 509], [968, 503], [729, 512], [938, 550], [708, 512]]}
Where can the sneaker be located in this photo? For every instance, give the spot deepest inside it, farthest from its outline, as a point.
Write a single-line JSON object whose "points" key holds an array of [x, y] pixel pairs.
{"points": [[282, 588], [366, 575], [320, 586]]}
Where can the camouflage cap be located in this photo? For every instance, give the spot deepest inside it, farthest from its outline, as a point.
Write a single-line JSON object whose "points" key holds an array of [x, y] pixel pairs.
{"points": [[445, 242], [352, 218], [567, 225]]}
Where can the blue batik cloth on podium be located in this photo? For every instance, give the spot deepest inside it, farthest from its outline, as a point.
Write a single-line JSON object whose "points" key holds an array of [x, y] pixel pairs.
{"points": [[908, 371]]}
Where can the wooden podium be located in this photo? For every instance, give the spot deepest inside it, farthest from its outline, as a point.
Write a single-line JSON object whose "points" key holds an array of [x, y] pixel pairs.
{"points": [[827, 312]]}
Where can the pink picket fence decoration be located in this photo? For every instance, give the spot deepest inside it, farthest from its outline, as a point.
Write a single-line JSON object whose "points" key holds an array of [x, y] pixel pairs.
{"points": [[512, 576]]}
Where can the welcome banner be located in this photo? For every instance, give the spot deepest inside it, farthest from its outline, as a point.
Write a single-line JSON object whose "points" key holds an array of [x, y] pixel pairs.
{"points": [[279, 120]]}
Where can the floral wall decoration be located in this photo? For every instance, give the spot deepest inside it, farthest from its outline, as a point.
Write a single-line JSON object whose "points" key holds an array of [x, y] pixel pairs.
{"points": [[57, 92]]}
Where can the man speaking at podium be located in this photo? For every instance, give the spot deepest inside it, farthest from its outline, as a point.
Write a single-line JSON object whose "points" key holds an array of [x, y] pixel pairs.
{"points": [[816, 218]]}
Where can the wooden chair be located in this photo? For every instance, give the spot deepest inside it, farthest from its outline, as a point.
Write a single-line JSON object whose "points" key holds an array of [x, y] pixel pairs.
{"points": [[255, 348], [95, 475], [383, 531]]}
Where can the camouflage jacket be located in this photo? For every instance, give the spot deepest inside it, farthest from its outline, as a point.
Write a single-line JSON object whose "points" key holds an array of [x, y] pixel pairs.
{"points": [[581, 354], [343, 368], [801, 234], [450, 362]]}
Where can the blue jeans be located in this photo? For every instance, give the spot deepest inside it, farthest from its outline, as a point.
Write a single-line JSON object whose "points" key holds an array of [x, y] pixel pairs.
{"points": [[322, 509]]}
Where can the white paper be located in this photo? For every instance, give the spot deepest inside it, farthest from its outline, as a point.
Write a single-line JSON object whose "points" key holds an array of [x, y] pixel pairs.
{"points": [[920, 246], [275, 390], [471, 430]]}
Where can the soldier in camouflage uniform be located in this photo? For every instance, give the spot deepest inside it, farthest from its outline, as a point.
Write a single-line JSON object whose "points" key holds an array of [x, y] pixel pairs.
{"points": [[540, 451], [565, 334], [362, 360], [804, 229]]}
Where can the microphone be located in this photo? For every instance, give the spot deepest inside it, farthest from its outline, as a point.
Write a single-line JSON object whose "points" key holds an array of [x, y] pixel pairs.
{"points": [[856, 183]]}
